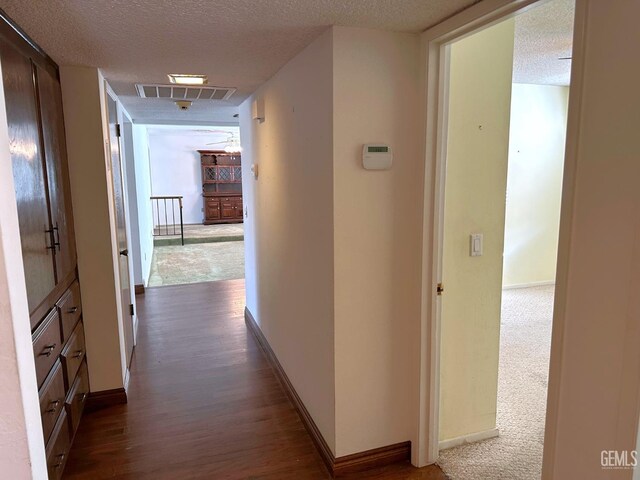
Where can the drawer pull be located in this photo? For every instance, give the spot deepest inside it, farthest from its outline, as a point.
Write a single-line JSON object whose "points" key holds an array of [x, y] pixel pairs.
{"points": [[60, 461], [79, 354], [72, 310], [46, 352], [53, 406]]}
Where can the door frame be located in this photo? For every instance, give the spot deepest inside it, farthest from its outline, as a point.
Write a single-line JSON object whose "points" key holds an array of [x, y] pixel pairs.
{"points": [[435, 83]]}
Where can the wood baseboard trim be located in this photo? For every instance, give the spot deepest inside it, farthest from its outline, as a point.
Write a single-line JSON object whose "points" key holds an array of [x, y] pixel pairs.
{"points": [[377, 457], [356, 462], [139, 289], [307, 421], [105, 398]]}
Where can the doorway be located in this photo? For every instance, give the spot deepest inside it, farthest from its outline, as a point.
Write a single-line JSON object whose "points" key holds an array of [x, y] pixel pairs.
{"points": [[503, 138], [194, 205]]}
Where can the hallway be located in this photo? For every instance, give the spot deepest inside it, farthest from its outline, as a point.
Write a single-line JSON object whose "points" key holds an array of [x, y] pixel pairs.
{"points": [[203, 402]]}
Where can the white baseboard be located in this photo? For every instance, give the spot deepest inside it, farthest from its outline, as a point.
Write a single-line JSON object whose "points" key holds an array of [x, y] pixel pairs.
{"points": [[528, 285], [471, 438]]}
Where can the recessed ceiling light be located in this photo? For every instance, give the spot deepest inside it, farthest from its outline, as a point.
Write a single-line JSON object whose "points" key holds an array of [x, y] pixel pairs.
{"points": [[186, 79]]}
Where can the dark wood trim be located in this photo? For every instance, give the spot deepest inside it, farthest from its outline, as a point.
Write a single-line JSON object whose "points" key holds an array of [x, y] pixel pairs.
{"points": [[105, 398], [357, 462], [12, 32], [307, 421], [139, 288], [378, 457]]}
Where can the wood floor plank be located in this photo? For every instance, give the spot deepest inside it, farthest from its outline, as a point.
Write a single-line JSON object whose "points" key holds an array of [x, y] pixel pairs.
{"points": [[203, 402]]}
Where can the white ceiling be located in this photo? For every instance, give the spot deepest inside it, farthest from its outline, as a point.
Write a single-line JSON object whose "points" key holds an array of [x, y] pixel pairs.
{"points": [[198, 138], [237, 43], [543, 35]]}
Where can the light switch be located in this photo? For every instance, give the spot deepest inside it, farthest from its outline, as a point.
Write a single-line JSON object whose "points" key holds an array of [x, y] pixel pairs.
{"points": [[476, 241]]}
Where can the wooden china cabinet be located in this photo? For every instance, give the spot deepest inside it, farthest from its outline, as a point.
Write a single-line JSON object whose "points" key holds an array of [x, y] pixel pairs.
{"points": [[221, 186]]}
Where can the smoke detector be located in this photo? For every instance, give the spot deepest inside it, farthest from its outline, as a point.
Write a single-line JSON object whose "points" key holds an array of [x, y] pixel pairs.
{"points": [[183, 104]]}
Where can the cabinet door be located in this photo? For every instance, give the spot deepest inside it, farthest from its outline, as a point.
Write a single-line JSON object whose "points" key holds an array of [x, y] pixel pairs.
{"points": [[226, 207], [28, 174], [212, 211], [55, 156], [237, 205]]}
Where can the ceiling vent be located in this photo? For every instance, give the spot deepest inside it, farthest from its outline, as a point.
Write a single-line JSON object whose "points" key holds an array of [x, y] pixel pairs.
{"points": [[178, 92]]}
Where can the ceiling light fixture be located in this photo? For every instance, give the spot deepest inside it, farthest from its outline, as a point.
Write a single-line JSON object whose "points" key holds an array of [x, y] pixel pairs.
{"points": [[185, 79]]}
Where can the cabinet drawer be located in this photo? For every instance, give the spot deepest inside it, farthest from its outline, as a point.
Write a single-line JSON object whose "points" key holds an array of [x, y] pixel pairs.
{"points": [[70, 309], [77, 397], [52, 399], [58, 448], [73, 354], [47, 344]]}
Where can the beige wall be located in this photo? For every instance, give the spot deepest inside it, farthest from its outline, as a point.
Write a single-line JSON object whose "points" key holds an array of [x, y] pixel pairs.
{"points": [[376, 234], [289, 263], [475, 186], [83, 98], [534, 183], [594, 382], [22, 453]]}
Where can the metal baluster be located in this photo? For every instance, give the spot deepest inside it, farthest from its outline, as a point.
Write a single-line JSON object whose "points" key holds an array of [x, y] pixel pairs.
{"points": [[166, 222], [158, 214], [181, 224], [173, 213]]}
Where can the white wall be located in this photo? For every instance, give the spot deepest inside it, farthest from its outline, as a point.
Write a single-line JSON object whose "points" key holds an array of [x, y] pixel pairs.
{"points": [[83, 98], [534, 183], [175, 163], [22, 454], [290, 209], [135, 254], [142, 268], [376, 232], [594, 381]]}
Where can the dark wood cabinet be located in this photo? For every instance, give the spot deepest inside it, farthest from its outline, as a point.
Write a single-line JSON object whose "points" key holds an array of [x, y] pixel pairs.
{"points": [[55, 154], [221, 186], [28, 173], [41, 179]]}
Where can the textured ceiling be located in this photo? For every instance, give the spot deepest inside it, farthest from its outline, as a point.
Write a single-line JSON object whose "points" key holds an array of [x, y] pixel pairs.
{"points": [[544, 35], [238, 43]]}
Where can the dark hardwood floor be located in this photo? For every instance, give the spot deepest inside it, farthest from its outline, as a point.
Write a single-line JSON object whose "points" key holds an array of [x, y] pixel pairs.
{"points": [[203, 402]]}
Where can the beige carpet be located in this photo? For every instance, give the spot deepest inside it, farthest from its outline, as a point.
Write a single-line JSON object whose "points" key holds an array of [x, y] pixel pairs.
{"points": [[201, 262], [525, 341]]}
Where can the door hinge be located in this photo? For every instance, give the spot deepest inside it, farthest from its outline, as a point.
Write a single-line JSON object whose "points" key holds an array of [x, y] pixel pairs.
{"points": [[439, 289], [118, 130], [131, 310]]}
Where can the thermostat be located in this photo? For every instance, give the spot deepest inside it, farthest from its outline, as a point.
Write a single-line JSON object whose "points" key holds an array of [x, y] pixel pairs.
{"points": [[376, 156]]}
